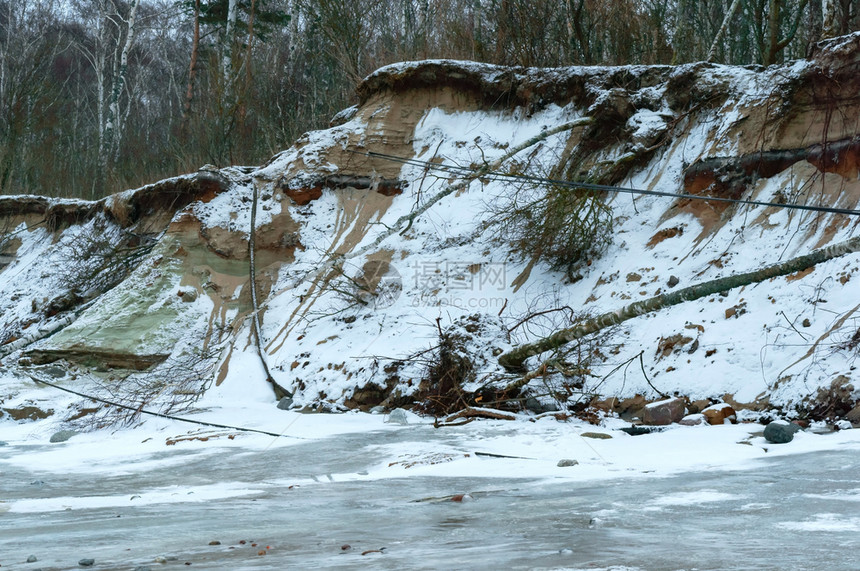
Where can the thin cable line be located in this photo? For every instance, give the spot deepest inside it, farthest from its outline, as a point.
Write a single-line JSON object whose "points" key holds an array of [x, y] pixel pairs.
{"points": [[161, 415], [603, 187]]}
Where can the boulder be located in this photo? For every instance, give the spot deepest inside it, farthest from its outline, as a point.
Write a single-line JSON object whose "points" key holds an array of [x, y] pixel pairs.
{"points": [[539, 406], [62, 435], [285, 403], [780, 432], [664, 412], [720, 413]]}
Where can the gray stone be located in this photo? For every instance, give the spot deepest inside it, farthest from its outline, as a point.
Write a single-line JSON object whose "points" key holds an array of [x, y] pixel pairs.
{"points": [[537, 406], [54, 371], [635, 430], [87, 562], [673, 281], [566, 462], [32, 559], [398, 416], [693, 420], [780, 432], [664, 412], [62, 435], [596, 435], [285, 403]]}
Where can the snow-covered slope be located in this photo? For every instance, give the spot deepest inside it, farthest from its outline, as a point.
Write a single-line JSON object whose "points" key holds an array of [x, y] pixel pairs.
{"points": [[356, 294]]}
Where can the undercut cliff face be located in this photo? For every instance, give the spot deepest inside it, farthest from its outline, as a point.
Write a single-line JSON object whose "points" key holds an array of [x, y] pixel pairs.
{"points": [[378, 283]]}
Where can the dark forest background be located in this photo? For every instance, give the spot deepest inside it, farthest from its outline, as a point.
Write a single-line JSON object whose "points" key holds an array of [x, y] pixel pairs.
{"points": [[97, 96]]}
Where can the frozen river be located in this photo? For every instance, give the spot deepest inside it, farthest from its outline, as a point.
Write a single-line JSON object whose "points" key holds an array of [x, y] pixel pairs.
{"points": [[303, 504]]}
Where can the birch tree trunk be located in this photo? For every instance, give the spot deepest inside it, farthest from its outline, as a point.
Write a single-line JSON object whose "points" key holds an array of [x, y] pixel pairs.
{"points": [[712, 53], [229, 44], [113, 126], [513, 360], [98, 59], [830, 28], [192, 67]]}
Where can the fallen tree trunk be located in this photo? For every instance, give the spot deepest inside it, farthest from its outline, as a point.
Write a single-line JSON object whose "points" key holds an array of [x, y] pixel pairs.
{"points": [[513, 360]]}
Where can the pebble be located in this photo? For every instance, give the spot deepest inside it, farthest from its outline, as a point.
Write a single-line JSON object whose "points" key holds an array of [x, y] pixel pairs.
{"points": [[87, 562], [32, 559], [596, 435], [215, 542]]}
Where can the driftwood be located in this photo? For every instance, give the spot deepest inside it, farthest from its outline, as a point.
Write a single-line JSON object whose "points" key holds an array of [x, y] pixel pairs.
{"points": [[476, 412], [513, 360]]}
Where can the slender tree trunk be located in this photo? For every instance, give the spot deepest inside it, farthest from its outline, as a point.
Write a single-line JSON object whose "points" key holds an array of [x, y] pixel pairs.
{"points": [[830, 26], [575, 14], [246, 89], [712, 53], [513, 360], [99, 62], [773, 14], [815, 25], [192, 67], [229, 44], [680, 46], [113, 128]]}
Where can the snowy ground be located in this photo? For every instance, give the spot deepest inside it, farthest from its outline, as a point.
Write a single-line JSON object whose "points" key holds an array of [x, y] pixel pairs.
{"points": [[329, 478]]}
